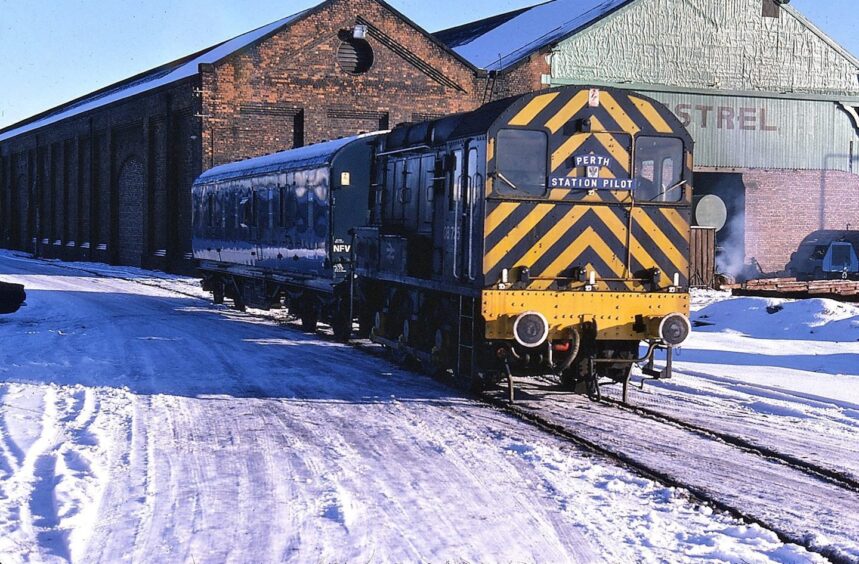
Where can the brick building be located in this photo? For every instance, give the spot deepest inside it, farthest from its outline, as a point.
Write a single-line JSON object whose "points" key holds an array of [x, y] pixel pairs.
{"points": [[107, 177], [770, 100]]}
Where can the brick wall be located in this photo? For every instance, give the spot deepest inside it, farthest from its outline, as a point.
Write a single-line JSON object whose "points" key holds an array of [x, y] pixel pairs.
{"points": [[782, 207], [525, 77], [289, 89], [62, 186]]}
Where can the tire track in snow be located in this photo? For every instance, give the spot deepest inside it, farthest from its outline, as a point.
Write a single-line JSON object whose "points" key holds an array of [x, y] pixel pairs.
{"points": [[31, 488], [11, 454]]}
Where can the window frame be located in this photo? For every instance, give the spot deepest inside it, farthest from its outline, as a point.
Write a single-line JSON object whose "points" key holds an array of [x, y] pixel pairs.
{"points": [[658, 161], [503, 188]]}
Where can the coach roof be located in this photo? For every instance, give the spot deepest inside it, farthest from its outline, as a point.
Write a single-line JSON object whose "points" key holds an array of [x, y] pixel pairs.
{"points": [[310, 156]]}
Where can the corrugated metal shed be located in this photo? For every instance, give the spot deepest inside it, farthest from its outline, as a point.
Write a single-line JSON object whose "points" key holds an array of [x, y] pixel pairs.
{"points": [[744, 132], [748, 132], [755, 92], [719, 45]]}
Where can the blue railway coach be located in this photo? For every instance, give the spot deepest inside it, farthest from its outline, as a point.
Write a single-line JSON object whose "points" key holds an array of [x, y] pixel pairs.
{"points": [[265, 229]]}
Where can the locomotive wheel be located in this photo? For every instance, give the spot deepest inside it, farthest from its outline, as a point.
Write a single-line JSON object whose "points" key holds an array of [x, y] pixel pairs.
{"points": [[309, 321], [342, 329], [436, 364], [238, 302], [400, 352]]}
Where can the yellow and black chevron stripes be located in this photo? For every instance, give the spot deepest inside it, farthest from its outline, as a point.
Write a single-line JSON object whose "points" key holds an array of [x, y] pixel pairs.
{"points": [[521, 231], [651, 114], [571, 230], [621, 118], [561, 115], [657, 242], [618, 112], [561, 155], [552, 239], [534, 107]]}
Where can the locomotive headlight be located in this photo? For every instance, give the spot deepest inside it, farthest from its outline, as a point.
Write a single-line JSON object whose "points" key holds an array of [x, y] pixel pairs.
{"points": [[531, 329], [674, 329]]}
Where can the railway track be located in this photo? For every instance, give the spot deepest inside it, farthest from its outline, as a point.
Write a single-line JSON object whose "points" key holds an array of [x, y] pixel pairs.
{"points": [[778, 492], [764, 474], [838, 477]]}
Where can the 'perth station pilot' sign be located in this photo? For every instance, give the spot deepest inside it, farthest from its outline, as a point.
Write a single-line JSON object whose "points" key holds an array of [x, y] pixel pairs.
{"points": [[592, 164]]}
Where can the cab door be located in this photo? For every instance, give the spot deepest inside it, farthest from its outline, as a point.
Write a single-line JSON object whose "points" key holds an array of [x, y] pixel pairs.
{"points": [[453, 214]]}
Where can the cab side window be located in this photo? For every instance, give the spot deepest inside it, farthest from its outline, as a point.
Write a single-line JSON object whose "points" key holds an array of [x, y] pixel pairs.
{"points": [[658, 169]]}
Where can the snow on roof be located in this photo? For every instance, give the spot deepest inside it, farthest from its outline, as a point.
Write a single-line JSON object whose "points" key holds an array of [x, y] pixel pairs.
{"points": [[161, 76], [309, 156], [532, 29]]}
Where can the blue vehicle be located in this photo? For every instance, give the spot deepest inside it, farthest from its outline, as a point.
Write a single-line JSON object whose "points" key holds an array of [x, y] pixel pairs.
{"points": [[826, 255], [267, 232]]}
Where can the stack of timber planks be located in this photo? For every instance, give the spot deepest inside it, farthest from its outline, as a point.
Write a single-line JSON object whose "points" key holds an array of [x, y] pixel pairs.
{"points": [[842, 290]]}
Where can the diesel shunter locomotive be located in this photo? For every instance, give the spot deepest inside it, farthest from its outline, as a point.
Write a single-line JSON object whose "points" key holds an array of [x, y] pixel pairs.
{"points": [[546, 233]]}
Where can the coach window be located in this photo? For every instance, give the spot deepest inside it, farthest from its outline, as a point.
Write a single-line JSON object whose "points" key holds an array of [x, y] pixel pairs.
{"points": [[659, 169], [246, 211], [210, 210], [521, 162]]}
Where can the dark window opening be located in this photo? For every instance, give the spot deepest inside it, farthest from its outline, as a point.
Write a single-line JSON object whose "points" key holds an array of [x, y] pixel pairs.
{"points": [[246, 211], [659, 169], [521, 162], [819, 252]]}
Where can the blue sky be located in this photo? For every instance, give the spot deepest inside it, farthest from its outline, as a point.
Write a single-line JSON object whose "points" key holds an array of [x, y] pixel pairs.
{"points": [[52, 51]]}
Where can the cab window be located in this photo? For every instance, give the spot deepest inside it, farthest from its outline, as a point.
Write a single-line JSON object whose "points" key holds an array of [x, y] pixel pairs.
{"points": [[521, 162], [659, 169]]}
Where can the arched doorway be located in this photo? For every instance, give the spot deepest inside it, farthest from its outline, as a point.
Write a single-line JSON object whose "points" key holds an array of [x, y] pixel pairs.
{"points": [[131, 189]]}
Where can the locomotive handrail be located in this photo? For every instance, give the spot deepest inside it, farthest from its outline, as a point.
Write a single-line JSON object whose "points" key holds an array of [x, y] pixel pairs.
{"points": [[403, 150]]}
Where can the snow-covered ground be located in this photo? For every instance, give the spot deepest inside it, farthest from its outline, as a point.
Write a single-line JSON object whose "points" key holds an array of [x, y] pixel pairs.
{"points": [[783, 374], [139, 423]]}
